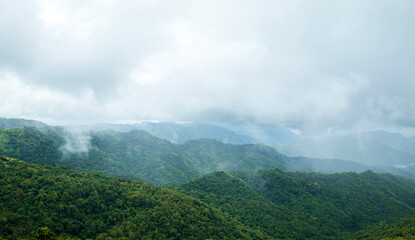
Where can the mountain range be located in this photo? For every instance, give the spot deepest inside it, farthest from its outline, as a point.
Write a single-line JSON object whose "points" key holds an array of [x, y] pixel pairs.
{"points": [[95, 184]]}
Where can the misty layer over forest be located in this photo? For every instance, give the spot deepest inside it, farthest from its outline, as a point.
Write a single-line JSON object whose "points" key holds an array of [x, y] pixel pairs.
{"points": [[213, 185], [149, 119]]}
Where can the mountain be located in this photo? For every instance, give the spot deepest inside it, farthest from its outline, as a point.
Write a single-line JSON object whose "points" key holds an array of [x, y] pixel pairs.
{"points": [[135, 154], [139, 155], [263, 134], [306, 205], [31, 144], [79, 205], [240, 200], [174, 132], [377, 148], [19, 122], [211, 155], [306, 164]]}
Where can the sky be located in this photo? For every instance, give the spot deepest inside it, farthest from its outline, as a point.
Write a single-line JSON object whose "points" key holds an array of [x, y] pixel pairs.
{"points": [[316, 67]]}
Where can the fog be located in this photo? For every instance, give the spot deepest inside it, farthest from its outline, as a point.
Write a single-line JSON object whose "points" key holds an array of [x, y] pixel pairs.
{"points": [[316, 67]]}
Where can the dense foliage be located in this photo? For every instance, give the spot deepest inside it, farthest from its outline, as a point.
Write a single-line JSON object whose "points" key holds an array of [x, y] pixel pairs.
{"points": [[19, 122], [135, 154], [397, 229], [175, 132], [76, 204], [306, 205], [30, 144], [183, 132]]}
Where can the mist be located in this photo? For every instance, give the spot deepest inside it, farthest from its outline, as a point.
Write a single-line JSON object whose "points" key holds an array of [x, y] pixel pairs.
{"points": [[75, 142]]}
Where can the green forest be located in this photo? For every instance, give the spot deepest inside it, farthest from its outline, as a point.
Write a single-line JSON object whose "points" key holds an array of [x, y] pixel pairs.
{"points": [[80, 205], [136, 154], [110, 189]]}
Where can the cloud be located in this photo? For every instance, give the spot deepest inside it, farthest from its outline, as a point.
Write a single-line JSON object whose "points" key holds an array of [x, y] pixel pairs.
{"points": [[313, 66], [76, 143]]}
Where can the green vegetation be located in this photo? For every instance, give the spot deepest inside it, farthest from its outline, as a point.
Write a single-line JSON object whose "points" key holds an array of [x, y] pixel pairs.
{"points": [[183, 132], [43, 201], [306, 205], [397, 229], [19, 122], [247, 199], [175, 132], [30, 144], [135, 154]]}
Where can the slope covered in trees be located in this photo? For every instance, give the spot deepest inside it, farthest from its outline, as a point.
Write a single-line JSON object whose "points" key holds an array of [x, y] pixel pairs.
{"points": [[134, 154], [175, 132], [306, 205], [82, 205], [19, 122], [396, 229], [139, 155]]}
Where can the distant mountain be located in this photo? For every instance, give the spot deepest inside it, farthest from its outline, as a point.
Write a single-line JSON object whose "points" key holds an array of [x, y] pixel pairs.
{"points": [[139, 155], [76, 205], [175, 132], [262, 134], [135, 154], [183, 132], [19, 122], [306, 205], [371, 148]]}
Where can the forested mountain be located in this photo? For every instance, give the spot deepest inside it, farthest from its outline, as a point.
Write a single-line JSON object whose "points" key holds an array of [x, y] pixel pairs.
{"points": [[135, 154], [19, 122], [306, 205], [139, 155], [175, 132], [379, 150], [255, 204], [75, 204]]}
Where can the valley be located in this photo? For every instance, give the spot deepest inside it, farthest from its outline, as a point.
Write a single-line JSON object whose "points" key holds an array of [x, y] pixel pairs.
{"points": [[133, 185]]}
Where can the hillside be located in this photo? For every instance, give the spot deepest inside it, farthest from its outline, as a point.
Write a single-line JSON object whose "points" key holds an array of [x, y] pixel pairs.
{"points": [[396, 229], [135, 154], [19, 122], [325, 206], [175, 132], [139, 155], [81, 205]]}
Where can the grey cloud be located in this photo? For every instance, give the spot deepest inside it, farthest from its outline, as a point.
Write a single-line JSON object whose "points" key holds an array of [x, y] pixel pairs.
{"points": [[315, 66]]}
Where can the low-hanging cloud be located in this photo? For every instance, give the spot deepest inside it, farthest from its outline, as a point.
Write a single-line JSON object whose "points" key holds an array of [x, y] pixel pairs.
{"points": [[314, 66], [75, 143]]}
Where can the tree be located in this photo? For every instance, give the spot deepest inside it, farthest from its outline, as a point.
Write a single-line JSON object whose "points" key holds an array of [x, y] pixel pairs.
{"points": [[44, 233]]}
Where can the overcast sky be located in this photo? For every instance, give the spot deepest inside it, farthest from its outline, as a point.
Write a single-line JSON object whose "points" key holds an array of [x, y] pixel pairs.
{"points": [[315, 66]]}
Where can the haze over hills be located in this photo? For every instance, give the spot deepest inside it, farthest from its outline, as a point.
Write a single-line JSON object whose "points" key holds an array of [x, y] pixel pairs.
{"points": [[133, 97], [135, 154], [260, 196], [379, 149], [174, 132], [371, 148], [139, 155], [19, 122]]}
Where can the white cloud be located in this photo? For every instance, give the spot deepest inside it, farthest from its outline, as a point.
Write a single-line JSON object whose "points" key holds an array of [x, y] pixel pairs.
{"points": [[21, 99], [307, 65]]}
